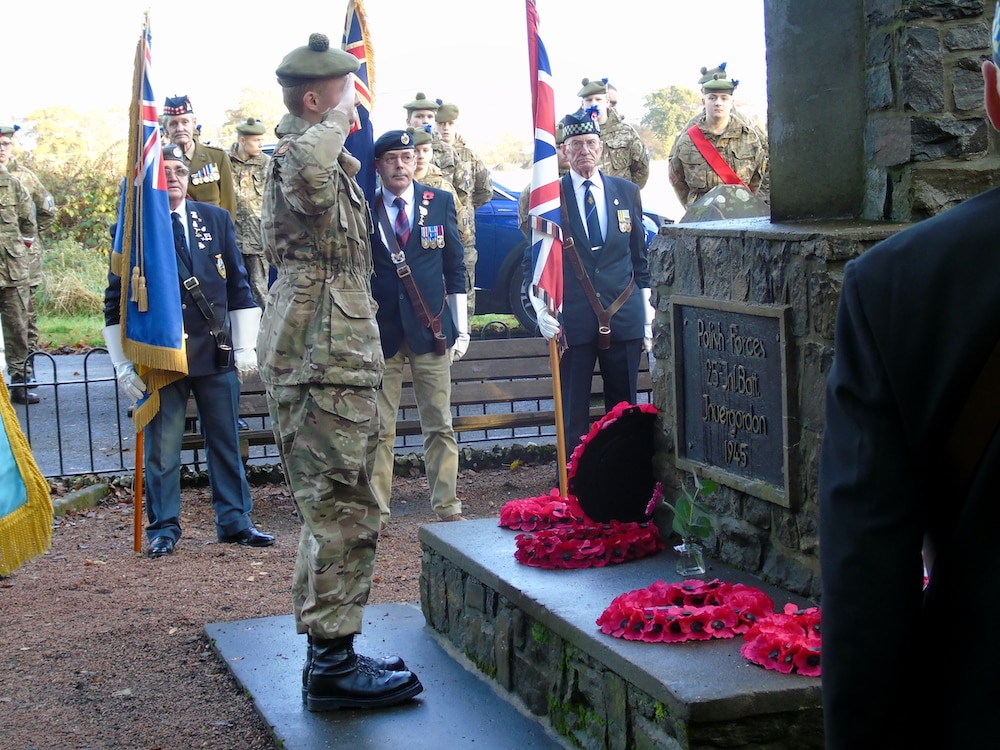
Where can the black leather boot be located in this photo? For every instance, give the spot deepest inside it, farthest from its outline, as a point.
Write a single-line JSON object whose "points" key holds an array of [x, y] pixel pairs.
{"points": [[19, 392], [388, 663], [338, 678]]}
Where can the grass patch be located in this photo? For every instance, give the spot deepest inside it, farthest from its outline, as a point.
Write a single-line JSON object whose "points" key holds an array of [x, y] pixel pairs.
{"points": [[495, 325], [70, 331]]}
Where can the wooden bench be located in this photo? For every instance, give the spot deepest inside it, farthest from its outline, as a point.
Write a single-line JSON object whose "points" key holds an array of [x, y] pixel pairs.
{"points": [[500, 384]]}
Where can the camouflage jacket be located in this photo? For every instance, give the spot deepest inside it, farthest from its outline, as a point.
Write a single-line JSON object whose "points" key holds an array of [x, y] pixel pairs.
{"points": [[466, 228], [624, 154], [45, 215], [248, 178], [476, 183], [17, 220], [744, 147], [444, 156], [319, 324]]}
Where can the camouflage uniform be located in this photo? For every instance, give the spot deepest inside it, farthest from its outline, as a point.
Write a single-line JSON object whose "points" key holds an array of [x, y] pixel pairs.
{"points": [[624, 154], [744, 147], [472, 190], [248, 176], [321, 360], [45, 215], [17, 220]]}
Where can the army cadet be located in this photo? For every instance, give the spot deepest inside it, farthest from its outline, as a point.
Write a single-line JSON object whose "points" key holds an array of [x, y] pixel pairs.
{"points": [[720, 146], [321, 361], [624, 153], [45, 215], [420, 111], [249, 170], [427, 173], [17, 232], [472, 184], [613, 98], [211, 173]]}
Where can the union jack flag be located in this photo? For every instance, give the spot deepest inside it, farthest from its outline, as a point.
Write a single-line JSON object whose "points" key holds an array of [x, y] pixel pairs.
{"points": [[357, 41], [144, 257], [544, 202]]}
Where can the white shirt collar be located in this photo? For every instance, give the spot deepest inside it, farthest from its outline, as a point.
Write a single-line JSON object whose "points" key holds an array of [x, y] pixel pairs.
{"points": [[597, 179], [388, 197]]}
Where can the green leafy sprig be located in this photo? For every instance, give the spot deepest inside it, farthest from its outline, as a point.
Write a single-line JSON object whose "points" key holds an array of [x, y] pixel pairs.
{"points": [[691, 518]]}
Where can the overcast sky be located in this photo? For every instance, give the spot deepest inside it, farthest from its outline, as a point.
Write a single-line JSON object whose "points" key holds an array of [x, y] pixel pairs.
{"points": [[472, 53]]}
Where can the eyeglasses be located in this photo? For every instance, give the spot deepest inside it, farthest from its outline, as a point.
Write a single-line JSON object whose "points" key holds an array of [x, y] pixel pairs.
{"points": [[397, 158], [179, 172], [581, 145]]}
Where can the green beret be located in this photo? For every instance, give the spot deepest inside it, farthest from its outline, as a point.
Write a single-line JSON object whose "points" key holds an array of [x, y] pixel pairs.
{"points": [[560, 133], [421, 102], [315, 61], [447, 113], [9, 130], [716, 80], [593, 87], [420, 136], [250, 127]]}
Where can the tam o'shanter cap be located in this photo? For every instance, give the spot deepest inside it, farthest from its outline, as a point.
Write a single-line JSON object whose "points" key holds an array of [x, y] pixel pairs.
{"points": [[173, 153], [177, 105], [579, 123], [420, 101], [447, 112], [716, 80], [9, 130], [593, 87], [315, 61], [560, 133], [394, 140], [250, 127], [420, 136]]}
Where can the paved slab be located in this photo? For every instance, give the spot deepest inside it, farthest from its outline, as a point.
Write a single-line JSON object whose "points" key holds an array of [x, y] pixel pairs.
{"points": [[458, 708]]}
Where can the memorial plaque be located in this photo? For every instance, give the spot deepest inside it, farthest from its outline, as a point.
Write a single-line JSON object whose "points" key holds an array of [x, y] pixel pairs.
{"points": [[731, 393]]}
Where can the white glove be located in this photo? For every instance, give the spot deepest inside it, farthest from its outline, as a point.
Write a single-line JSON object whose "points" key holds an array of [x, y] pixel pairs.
{"points": [[245, 324], [459, 304], [128, 379], [547, 325], [647, 329]]}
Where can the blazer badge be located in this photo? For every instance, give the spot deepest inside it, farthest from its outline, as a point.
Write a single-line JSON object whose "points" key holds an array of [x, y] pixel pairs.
{"points": [[220, 266]]}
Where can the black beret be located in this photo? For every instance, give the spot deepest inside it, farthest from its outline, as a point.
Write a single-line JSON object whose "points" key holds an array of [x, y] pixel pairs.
{"points": [[394, 140], [172, 153]]}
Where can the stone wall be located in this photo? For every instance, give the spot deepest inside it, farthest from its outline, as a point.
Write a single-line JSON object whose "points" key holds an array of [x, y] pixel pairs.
{"points": [[755, 262]]}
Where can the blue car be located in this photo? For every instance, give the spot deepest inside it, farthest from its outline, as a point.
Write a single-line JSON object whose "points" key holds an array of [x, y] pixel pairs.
{"points": [[501, 279]]}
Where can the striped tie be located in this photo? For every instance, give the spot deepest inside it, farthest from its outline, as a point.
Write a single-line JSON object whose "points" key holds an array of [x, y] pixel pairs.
{"points": [[402, 225], [593, 225]]}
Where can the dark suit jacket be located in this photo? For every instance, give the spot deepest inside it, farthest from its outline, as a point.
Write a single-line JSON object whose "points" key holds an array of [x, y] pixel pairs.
{"points": [[437, 271], [918, 318], [609, 269], [218, 264]]}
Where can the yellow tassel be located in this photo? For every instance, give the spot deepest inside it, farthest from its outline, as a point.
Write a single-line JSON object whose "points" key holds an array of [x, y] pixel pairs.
{"points": [[135, 282], [116, 264], [143, 301]]}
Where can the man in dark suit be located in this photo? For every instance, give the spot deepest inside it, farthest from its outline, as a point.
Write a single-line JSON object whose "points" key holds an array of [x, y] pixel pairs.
{"points": [[603, 215], [908, 485], [212, 256], [416, 238]]}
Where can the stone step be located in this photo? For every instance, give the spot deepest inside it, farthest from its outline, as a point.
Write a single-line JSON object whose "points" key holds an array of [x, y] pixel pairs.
{"points": [[458, 708]]}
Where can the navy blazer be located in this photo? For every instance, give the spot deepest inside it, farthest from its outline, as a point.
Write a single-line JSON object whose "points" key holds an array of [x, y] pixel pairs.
{"points": [[437, 271], [609, 268], [218, 264]]}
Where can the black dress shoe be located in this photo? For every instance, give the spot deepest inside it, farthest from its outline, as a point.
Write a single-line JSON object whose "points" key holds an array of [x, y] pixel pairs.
{"points": [[161, 546], [249, 537], [19, 394]]}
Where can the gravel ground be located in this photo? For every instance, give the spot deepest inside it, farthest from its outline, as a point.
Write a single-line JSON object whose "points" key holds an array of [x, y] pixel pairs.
{"points": [[104, 649]]}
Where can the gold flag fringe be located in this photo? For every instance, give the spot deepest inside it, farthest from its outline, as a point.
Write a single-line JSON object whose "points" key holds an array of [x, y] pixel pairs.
{"points": [[26, 532]]}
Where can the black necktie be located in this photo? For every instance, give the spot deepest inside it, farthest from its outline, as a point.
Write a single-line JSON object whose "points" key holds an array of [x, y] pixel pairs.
{"points": [[180, 240], [593, 225], [402, 225]]}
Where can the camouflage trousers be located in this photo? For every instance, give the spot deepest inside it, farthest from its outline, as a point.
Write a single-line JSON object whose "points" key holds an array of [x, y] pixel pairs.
{"points": [[322, 433], [15, 310], [257, 276]]}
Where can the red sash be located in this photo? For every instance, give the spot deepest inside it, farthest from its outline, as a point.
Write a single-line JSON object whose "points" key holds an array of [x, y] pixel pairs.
{"points": [[713, 157]]}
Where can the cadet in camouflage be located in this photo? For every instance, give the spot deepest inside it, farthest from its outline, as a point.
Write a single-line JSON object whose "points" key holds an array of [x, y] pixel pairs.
{"points": [[427, 173], [740, 142], [321, 360], [45, 215], [623, 154], [17, 224], [420, 111], [473, 187], [249, 170]]}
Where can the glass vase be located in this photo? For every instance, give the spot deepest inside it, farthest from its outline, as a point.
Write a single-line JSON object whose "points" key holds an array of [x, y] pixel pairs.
{"points": [[690, 559]]}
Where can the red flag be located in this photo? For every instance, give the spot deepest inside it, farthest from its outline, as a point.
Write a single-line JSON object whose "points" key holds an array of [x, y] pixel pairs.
{"points": [[544, 204]]}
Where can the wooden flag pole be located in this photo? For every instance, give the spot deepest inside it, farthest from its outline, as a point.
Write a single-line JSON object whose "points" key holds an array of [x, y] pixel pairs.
{"points": [[560, 426], [137, 493]]}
